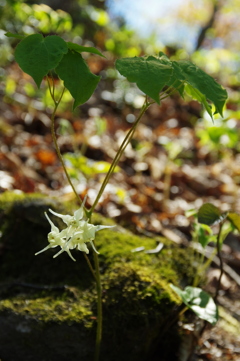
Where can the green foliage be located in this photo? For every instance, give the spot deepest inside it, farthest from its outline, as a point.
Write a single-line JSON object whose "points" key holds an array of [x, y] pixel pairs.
{"points": [[209, 214], [37, 55], [152, 74], [81, 49], [199, 302], [77, 77], [234, 218]]}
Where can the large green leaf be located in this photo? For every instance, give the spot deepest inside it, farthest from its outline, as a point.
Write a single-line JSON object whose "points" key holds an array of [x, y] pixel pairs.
{"points": [[209, 214], [150, 73], [153, 73], [200, 302], [204, 83], [37, 55], [82, 49], [77, 77]]}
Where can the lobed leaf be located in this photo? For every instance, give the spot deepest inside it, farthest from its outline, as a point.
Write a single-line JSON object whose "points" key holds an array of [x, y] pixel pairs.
{"points": [[209, 214], [200, 302], [150, 74], [82, 49], [77, 77], [37, 55]]}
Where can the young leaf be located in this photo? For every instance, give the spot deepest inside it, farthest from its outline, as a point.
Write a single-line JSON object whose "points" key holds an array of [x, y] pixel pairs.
{"points": [[199, 302], [234, 218], [82, 49], [37, 55], [204, 83], [12, 35], [77, 77], [204, 234], [150, 74], [209, 214]]}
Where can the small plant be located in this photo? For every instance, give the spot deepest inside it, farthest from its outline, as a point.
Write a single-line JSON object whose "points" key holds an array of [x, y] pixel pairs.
{"points": [[194, 298], [156, 76]]}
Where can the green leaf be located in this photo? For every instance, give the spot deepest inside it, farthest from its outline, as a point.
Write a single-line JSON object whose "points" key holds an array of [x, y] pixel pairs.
{"points": [[37, 55], [204, 83], [77, 77], [82, 49], [209, 214], [12, 35], [234, 218], [204, 234], [201, 303], [177, 79], [197, 95], [150, 74]]}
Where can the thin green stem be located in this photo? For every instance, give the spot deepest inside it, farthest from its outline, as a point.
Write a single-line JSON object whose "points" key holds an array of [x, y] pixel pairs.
{"points": [[60, 155], [117, 157], [90, 265], [56, 103], [220, 260]]}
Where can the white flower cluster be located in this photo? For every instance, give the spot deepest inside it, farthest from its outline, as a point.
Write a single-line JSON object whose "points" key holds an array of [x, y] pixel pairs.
{"points": [[77, 233]]}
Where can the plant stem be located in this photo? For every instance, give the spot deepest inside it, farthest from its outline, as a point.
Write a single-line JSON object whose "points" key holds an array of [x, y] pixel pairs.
{"points": [[117, 157], [220, 260], [56, 104]]}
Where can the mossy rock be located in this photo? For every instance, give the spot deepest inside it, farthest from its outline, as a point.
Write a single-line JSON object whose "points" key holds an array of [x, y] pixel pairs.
{"points": [[48, 306]]}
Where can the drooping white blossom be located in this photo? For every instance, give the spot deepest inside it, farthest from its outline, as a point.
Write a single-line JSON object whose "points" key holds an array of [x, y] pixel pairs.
{"points": [[77, 233]]}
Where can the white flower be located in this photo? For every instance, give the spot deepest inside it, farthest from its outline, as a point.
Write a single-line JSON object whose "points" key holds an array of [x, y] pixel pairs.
{"points": [[77, 233]]}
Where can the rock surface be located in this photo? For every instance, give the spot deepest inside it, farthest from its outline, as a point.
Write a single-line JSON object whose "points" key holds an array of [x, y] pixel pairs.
{"points": [[48, 306]]}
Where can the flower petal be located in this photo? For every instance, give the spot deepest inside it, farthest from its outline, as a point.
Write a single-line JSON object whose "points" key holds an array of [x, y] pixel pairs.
{"points": [[54, 228], [93, 246], [65, 217], [98, 228]]}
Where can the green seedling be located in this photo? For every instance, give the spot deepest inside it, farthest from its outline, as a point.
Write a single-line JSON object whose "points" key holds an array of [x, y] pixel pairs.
{"points": [[156, 76]]}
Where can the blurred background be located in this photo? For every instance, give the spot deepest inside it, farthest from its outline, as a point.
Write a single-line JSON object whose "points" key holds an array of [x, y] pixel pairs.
{"points": [[178, 158]]}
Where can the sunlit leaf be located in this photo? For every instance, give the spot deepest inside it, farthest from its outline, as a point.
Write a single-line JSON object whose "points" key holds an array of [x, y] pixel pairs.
{"points": [[200, 302], [12, 35], [77, 77], [197, 95], [209, 214], [149, 73], [82, 49], [204, 83], [37, 55], [235, 219]]}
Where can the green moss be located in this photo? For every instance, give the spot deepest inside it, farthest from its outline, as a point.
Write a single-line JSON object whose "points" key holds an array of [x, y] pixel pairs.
{"points": [[136, 293]]}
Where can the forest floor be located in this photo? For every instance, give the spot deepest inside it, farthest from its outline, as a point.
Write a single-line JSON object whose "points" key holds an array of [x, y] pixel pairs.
{"points": [[169, 168]]}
